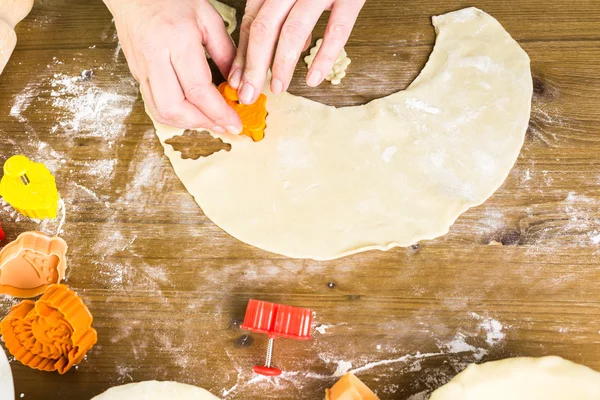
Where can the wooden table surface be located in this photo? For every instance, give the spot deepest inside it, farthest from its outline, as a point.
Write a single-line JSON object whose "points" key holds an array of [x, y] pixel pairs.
{"points": [[168, 288]]}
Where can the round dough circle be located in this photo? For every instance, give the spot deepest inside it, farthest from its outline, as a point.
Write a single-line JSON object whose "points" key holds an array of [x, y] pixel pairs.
{"points": [[328, 182], [155, 390], [548, 378]]}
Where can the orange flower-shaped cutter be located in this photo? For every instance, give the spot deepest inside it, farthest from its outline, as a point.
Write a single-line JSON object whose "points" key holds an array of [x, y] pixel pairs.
{"points": [[349, 387], [253, 116], [51, 334], [31, 263]]}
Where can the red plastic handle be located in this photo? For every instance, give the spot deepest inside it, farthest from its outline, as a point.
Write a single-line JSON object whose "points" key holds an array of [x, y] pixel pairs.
{"points": [[278, 320], [266, 371]]}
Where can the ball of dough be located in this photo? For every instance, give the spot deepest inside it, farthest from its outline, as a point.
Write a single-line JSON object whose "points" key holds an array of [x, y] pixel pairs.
{"points": [[548, 378], [155, 390], [7, 390]]}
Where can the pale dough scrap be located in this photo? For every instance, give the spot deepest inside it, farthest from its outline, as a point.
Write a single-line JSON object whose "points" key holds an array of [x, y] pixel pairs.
{"points": [[155, 390], [338, 71], [327, 182], [11, 13], [547, 378], [228, 14]]}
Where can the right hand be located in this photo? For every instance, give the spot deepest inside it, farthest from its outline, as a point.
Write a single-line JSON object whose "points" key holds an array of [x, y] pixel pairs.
{"points": [[164, 41]]}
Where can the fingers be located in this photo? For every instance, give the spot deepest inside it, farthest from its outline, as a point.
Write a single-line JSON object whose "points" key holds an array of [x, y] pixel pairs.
{"points": [[166, 100], [307, 43], [217, 41], [237, 68], [264, 32], [295, 34], [342, 19], [149, 99], [193, 73]]}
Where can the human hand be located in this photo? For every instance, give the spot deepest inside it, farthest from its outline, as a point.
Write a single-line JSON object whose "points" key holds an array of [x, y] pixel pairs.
{"points": [[164, 43], [287, 23]]}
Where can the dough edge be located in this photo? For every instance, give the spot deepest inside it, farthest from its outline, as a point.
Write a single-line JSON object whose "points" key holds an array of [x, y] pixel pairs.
{"points": [[156, 390], [165, 132], [541, 374]]}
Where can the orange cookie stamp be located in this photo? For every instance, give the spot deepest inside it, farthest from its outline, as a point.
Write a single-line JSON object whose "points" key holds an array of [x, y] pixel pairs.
{"points": [[31, 263], [349, 387], [51, 334], [253, 116]]}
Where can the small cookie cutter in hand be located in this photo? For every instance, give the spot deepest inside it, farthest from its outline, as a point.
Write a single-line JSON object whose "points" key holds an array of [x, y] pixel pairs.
{"points": [[31, 263], [253, 116], [29, 187], [51, 334]]}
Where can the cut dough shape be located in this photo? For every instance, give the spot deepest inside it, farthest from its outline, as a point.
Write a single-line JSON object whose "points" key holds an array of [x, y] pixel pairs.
{"points": [[11, 13], [227, 13], [548, 378], [155, 390], [327, 182], [338, 71]]}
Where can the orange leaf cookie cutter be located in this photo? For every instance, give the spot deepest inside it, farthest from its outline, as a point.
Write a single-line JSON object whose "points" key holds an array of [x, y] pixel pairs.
{"points": [[51, 334], [31, 263], [253, 116], [349, 387]]}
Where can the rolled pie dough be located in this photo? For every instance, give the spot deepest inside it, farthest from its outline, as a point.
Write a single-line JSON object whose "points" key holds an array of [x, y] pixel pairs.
{"points": [[327, 182], [547, 378], [155, 390]]}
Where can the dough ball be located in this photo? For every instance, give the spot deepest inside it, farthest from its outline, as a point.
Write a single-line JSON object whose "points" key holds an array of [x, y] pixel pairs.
{"points": [[155, 390], [547, 378], [7, 390]]}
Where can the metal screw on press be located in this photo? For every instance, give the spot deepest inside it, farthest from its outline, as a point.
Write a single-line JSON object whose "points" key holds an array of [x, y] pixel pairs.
{"points": [[276, 320]]}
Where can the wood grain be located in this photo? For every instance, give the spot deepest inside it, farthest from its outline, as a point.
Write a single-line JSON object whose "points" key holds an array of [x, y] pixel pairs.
{"points": [[168, 289]]}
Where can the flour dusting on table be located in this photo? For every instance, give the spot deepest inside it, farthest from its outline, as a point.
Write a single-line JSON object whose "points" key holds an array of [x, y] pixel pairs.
{"points": [[90, 112]]}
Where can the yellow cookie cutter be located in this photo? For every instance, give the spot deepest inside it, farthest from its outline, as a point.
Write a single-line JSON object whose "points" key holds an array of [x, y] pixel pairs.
{"points": [[29, 187]]}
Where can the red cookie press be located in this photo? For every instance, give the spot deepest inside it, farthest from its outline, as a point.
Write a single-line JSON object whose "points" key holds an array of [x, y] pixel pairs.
{"points": [[276, 320]]}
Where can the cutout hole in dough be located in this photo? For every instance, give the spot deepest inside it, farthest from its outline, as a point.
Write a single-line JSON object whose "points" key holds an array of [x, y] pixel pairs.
{"points": [[195, 144]]}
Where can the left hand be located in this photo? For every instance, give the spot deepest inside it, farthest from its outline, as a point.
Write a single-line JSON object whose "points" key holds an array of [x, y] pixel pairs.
{"points": [[287, 24]]}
